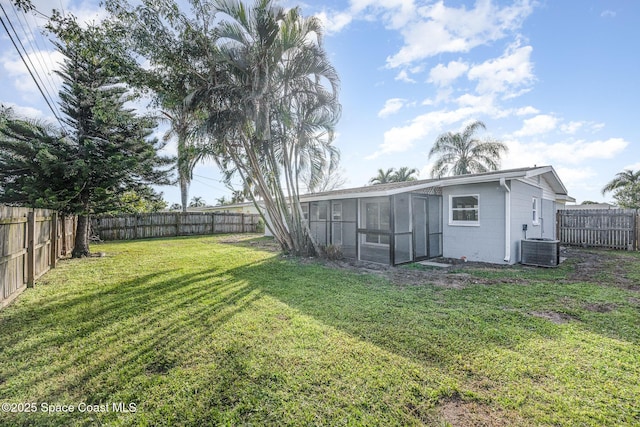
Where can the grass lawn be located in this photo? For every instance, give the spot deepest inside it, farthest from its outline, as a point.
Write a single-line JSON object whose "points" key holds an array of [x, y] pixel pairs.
{"points": [[205, 331]]}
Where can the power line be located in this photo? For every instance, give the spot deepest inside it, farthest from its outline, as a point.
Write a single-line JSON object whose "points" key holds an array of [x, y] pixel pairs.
{"points": [[15, 45], [38, 54]]}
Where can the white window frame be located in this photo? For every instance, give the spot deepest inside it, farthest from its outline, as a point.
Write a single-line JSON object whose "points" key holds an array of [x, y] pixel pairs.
{"points": [[463, 223], [380, 237], [305, 210], [336, 214], [323, 214], [535, 210]]}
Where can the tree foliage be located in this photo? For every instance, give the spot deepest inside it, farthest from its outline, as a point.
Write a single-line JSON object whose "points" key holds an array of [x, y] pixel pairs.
{"points": [[625, 188], [266, 93], [460, 153], [105, 156], [403, 174]]}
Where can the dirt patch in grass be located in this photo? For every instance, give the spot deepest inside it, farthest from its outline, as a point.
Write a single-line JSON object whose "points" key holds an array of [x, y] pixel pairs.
{"points": [[601, 307], [607, 267], [557, 318], [459, 413]]}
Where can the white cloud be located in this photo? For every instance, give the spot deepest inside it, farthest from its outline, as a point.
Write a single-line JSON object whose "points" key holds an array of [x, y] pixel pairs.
{"points": [[402, 138], [608, 14], [436, 28], [334, 22], [44, 63], [562, 153], [633, 167], [392, 106], [571, 127], [404, 77], [508, 73], [28, 112], [542, 123], [443, 75], [526, 111]]}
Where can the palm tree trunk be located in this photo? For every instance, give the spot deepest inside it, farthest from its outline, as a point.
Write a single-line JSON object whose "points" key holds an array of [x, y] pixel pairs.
{"points": [[184, 192]]}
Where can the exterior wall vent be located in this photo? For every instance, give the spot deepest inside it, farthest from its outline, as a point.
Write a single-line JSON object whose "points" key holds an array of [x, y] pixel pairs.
{"points": [[540, 252]]}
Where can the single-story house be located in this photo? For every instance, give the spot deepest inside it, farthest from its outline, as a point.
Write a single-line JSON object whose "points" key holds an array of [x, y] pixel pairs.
{"points": [[481, 217], [244, 207]]}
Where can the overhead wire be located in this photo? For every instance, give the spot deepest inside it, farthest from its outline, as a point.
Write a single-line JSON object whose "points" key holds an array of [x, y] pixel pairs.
{"points": [[47, 68], [24, 61]]}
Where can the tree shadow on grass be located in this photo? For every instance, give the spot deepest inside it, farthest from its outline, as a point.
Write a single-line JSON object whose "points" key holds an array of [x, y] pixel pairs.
{"points": [[82, 348]]}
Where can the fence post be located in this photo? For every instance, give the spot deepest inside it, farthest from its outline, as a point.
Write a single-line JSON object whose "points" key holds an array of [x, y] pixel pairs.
{"points": [[636, 234], [54, 239], [242, 218], [31, 248]]}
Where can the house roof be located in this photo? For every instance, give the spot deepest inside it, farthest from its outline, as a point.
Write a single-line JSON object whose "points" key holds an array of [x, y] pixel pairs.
{"points": [[410, 186], [591, 206]]}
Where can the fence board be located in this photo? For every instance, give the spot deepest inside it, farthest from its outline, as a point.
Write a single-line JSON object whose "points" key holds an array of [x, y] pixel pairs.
{"points": [[27, 248], [599, 228], [171, 224]]}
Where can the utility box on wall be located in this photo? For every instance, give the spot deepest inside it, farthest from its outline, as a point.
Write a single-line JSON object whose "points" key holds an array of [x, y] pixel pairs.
{"points": [[540, 252]]}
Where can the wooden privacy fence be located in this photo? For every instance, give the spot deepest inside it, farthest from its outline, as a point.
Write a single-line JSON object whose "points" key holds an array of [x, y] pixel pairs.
{"points": [[599, 228], [31, 242], [169, 224]]}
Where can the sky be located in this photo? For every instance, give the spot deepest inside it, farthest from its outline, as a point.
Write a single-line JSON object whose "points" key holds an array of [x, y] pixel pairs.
{"points": [[556, 81]]}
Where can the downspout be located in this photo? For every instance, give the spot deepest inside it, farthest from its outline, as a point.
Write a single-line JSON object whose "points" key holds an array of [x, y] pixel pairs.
{"points": [[507, 220]]}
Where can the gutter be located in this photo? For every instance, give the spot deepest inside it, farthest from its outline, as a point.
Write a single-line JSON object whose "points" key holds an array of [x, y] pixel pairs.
{"points": [[507, 220]]}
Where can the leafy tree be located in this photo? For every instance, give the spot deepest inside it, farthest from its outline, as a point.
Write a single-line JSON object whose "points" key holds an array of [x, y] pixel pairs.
{"points": [[140, 201], [175, 207], [114, 150], [626, 189], [262, 83], [383, 177], [38, 164], [330, 178], [461, 153], [405, 174]]}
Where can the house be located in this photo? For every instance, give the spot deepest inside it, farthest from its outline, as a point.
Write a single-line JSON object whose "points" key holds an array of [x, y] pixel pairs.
{"points": [[482, 217], [245, 207]]}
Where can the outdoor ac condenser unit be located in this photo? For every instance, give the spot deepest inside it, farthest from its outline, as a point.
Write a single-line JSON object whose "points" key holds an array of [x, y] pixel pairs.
{"points": [[540, 252]]}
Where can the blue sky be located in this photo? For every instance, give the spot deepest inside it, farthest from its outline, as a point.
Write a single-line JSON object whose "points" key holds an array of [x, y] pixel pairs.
{"points": [[554, 80]]}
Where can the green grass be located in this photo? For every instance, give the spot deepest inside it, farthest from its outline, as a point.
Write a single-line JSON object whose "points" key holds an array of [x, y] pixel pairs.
{"points": [[196, 331]]}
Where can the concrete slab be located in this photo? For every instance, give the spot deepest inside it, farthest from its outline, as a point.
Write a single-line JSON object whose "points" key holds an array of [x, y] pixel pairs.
{"points": [[434, 264]]}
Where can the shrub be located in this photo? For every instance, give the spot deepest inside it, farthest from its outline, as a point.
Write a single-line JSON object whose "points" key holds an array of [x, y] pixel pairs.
{"points": [[333, 252]]}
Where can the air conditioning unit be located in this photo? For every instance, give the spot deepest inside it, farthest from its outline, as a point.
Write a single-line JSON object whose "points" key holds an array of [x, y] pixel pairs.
{"points": [[540, 252]]}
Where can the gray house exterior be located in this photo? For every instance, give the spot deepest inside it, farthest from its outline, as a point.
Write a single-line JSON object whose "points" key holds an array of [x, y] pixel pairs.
{"points": [[481, 217]]}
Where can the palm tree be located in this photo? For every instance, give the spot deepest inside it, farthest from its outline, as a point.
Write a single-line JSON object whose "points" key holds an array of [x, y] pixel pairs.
{"points": [[183, 127], [405, 174], [460, 153], [626, 188], [197, 202], [271, 100], [383, 177], [622, 179]]}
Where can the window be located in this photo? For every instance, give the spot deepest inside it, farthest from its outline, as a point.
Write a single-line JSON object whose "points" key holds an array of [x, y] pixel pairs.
{"points": [[464, 210], [534, 211], [336, 211], [305, 210], [376, 217], [322, 212]]}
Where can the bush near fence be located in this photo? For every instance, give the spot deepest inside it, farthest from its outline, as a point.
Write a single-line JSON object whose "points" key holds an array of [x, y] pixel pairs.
{"points": [[31, 243], [171, 224], [599, 228]]}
